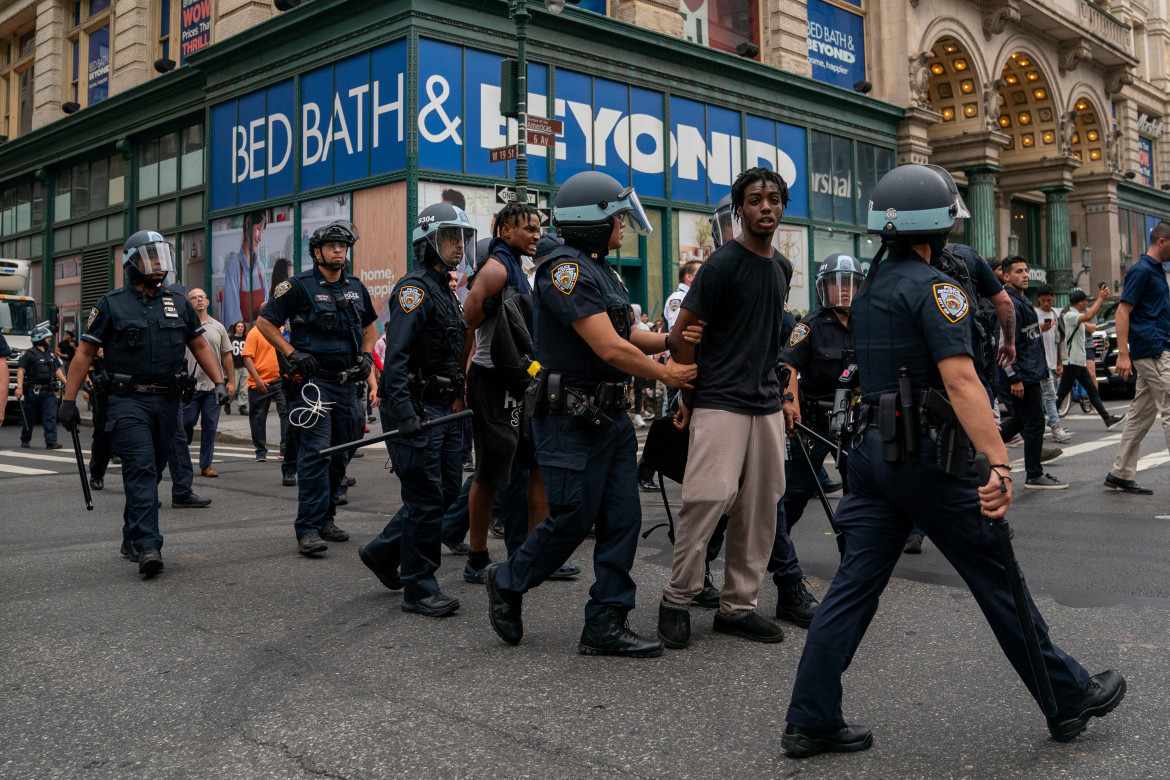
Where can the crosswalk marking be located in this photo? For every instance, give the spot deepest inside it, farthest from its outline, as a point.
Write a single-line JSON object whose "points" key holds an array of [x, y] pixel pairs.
{"points": [[23, 470]]}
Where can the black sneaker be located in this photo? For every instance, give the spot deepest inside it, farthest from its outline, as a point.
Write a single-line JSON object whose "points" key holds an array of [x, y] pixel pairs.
{"points": [[1045, 482], [331, 533], [128, 551], [97, 483], [472, 575], [310, 544], [54, 446], [503, 608], [24, 445], [913, 544], [648, 485], [1050, 453], [189, 501], [1115, 421], [709, 596], [799, 743], [795, 604], [1127, 485], [749, 625], [387, 576], [342, 496], [457, 548], [567, 571], [150, 562], [674, 624], [289, 480], [609, 634], [350, 482], [1105, 692]]}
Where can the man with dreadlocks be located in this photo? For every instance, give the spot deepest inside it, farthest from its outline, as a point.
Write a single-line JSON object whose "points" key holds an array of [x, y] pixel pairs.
{"points": [[735, 465], [494, 400]]}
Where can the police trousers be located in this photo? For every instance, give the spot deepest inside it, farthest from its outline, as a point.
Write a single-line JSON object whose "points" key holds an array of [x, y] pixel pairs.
{"points": [[39, 406], [428, 467], [142, 431], [735, 467], [885, 500], [590, 481], [319, 476]]}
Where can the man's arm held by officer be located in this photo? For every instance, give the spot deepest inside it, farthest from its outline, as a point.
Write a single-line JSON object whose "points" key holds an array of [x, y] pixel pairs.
{"points": [[489, 280], [791, 406], [597, 331], [969, 400]]}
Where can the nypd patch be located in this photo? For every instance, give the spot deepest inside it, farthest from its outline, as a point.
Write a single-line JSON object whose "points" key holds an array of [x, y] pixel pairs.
{"points": [[564, 277], [799, 334], [409, 297], [673, 304], [93, 315], [951, 300], [281, 289]]}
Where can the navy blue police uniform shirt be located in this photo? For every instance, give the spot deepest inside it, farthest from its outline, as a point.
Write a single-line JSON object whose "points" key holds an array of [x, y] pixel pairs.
{"points": [[1149, 322], [39, 366], [740, 295], [1030, 365], [5, 350], [815, 348], [327, 318], [143, 335], [570, 286], [911, 316], [424, 335]]}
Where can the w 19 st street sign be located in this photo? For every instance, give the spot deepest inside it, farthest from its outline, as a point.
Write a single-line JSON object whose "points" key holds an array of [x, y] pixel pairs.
{"points": [[503, 153]]}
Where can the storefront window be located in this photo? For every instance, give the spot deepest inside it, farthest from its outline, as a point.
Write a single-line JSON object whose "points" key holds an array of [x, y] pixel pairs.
{"points": [[873, 162], [23, 207], [192, 160], [117, 180], [80, 188], [8, 211], [247, 251], [61, 201], [148, 170], [99, 187], [732, 22], [168, 163]]}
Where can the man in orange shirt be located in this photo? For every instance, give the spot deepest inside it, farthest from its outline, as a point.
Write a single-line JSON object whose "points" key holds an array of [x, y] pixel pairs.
{"points": [[264, 386]]}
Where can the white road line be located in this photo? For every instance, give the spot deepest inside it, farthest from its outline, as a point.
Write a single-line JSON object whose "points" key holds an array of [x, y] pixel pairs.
{"points": [[1079, 449], [7, 469], [38, 456], [1150, 461]]}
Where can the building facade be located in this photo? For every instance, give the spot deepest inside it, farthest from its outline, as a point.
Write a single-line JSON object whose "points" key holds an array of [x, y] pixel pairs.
{"points": [[236, 130]]}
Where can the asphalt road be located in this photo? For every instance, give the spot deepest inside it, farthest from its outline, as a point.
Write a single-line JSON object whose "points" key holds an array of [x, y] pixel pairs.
{"points": [[244, 659]]}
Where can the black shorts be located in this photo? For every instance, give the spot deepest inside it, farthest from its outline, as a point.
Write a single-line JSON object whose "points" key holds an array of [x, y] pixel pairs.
{"points": [[495, 429]]}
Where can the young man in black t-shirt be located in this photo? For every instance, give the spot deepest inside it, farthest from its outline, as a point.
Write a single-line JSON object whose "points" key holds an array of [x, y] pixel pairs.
{"points": [[735, 464]]}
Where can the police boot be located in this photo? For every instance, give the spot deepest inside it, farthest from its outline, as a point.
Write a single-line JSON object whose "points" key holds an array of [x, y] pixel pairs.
{"points": [[609, 634], [709, 596], [795, 604], [674, 624]]}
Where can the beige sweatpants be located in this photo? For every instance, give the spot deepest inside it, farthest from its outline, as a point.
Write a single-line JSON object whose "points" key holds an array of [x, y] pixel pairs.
{"points": [[735, 467]]}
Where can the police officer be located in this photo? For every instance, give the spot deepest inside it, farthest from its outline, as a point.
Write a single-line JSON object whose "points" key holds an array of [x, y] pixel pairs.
{"points": [[818, 350], [421, 381], [333, 334], [142, 329], [38, 370], [585, 443], [913, 336]]}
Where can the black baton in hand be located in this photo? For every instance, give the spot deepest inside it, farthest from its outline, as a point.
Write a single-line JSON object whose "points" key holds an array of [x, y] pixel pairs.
{"points": [[353, 445], [1003, 533], [81, 469], [800, 427]]}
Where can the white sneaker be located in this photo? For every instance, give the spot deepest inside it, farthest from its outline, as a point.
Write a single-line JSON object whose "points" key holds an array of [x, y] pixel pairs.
{"points": [[1060, 435], [639, 422]]}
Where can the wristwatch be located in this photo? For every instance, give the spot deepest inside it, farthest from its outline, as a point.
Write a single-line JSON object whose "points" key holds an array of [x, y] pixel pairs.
{"points": [[787, 397]]}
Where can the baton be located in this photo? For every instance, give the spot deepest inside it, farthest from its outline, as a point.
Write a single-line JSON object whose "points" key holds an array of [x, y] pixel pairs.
{"points": [[81, 469], [435, 421], [1035, 658], [813, 473]]}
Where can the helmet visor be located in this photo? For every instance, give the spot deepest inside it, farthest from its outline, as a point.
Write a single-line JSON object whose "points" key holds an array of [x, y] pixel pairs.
{"points": [[961, 210], [453, 244], [722, 226], [836, 289], [156, 258], [629, 210]]}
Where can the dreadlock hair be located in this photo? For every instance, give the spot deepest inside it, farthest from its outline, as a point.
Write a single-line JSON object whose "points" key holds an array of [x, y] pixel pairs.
{"points": [[750, 176], [512, 214]]}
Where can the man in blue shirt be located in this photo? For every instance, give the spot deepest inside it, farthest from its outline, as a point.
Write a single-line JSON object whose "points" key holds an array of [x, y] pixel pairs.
{"points": [[1143, 344]]}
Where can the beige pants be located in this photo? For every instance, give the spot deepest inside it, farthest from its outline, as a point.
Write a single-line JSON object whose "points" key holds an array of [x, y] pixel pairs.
{"points": [[735, 467], [1152, 397]]}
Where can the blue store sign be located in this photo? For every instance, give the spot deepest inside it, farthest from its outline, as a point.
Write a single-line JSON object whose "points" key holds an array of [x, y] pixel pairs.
{"points": [[836, 44], [352, 127]]}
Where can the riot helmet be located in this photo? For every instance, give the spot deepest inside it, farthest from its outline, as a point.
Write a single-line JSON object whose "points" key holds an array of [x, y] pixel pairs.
{"points": [[586, 207], [42, 332], [839, 278], [443, 232], [339, 231], [723, 222], [147, 258]]}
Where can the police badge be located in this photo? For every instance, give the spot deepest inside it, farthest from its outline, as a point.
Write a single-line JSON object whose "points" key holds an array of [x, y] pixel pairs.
{"points": [[951, 301], [409, 298], [564, 277], [281, 289], [93, 315], [799, 333]]}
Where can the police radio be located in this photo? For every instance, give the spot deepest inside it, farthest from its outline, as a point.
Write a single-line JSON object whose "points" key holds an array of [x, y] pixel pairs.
{"points": [[845, 417]]}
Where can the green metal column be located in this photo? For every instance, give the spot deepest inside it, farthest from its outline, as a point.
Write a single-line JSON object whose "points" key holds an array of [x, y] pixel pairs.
{"points": [[1058, 241], [981, 203]]}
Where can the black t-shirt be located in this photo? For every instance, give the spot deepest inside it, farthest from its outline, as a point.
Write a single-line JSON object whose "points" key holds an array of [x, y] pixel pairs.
{"points": [[911, 316], [740, 296], [237, 351]]}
